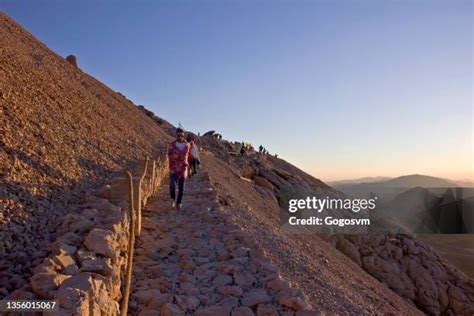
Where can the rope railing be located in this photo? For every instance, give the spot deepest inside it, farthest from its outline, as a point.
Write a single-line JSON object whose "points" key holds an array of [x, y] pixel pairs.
{"points": [[131, 243], [145, 187]]}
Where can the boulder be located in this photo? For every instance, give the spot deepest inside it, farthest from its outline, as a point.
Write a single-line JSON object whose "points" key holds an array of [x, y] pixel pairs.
{"points": [[44, 283], [101, 241], [255, 297], [73, 223], [94, 285], [72, 60], [85, 282], [61, 248], [70, 239], [83, 254], [97, 265], [70, 298], [48, 265], [64, 261], [244, 278]]}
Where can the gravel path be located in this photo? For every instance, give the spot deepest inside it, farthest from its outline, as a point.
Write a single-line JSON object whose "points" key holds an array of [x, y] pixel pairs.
{"points": [[195, 262]]}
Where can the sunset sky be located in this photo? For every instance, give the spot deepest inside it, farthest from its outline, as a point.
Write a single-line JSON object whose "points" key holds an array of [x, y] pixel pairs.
{"points": [[342, 89]]}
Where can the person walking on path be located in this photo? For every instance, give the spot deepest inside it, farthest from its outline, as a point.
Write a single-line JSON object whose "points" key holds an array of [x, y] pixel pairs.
{"points": [[194, 159], [178, 153]]}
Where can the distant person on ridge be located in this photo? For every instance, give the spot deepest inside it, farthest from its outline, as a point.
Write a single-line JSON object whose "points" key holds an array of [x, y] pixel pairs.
{"points": [[194, 159], [178, 153], [242, 150], [260, 149]]}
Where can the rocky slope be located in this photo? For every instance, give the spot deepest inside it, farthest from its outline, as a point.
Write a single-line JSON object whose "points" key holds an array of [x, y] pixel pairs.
{"points": [[257, 186], [62, 134]]}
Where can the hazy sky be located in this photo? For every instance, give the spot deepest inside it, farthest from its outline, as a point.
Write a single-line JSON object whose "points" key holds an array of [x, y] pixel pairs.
{"points": [[342, 89]]}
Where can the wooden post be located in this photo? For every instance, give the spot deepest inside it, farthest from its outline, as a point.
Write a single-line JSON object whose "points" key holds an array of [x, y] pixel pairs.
{"points": [[131, 242], [138, 228], [158, 172], [153, 178]]}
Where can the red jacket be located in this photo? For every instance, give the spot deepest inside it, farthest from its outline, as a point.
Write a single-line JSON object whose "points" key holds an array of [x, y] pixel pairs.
{"points": [[178, 160]]}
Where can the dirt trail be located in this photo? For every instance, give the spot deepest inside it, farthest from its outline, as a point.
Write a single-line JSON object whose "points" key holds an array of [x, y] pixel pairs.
{"points": [[194, 261]]}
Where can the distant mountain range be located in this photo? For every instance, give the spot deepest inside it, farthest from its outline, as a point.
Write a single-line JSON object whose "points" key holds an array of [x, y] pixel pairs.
{"points": [[408, 181], [359, 180]]}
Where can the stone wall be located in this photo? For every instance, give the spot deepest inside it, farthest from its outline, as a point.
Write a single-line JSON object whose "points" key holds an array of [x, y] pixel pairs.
{"points": [[85, 270]]}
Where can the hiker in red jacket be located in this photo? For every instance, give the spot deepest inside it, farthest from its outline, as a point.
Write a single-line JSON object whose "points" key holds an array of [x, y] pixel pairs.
{"points": [[178, 152]]}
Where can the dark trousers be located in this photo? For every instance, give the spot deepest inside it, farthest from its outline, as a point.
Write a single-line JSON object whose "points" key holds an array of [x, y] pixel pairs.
{"points": [[193, 167], [180, 181]]}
